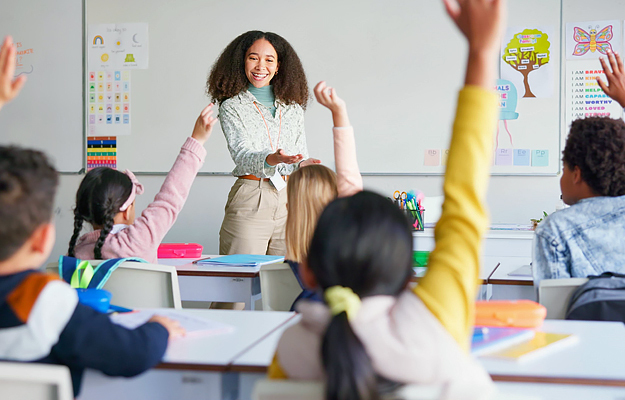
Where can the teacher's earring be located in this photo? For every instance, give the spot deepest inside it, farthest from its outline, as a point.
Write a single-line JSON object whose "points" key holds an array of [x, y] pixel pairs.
{"points": [[276, 73]]}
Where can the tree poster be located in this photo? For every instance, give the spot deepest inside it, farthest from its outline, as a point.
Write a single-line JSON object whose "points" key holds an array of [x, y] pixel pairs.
{"points": [[527, 62]]}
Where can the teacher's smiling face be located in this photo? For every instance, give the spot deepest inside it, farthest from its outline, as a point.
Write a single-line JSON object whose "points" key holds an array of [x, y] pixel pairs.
{"points": [[261, 63]]}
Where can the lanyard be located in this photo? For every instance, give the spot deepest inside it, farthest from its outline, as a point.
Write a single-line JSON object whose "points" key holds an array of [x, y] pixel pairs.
{"points": [[267, 126]]}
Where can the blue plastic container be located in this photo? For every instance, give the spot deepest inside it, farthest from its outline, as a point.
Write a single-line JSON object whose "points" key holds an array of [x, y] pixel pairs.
{"points": [[98, 299]]}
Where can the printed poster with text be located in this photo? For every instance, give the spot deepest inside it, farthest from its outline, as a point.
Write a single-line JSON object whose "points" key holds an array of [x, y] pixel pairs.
{"points": [[108, 106], [118, 46], [585, 42], [526, 61]]}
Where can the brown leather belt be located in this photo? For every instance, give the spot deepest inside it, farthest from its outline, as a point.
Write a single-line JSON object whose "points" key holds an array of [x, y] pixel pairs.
{"points": [[255, 178]]}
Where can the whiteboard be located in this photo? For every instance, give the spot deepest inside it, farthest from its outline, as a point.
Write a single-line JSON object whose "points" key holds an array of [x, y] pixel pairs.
{"points": [[398, 64], [48, 113]]}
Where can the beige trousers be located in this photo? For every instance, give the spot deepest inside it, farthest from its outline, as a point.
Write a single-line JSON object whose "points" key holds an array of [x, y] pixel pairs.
{"points": [[255, 219]]}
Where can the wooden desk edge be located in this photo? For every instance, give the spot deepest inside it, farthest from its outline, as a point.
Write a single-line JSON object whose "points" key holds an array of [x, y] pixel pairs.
{"points": [[510, 282], [559, 380], [217, 274], [192, 367]]}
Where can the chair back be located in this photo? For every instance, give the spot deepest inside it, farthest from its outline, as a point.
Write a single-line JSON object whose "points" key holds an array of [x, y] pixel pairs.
{"points": [[278, 286], [35, 381], [555, 294], [138, 285]]}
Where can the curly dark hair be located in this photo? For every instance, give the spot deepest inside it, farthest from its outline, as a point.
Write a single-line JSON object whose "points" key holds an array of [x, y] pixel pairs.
{"points": [[28, 183], [227, 77], [597, 146]]}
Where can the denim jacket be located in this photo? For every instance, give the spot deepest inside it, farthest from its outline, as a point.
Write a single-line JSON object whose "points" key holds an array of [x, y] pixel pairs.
{"points": [[585, 239]]}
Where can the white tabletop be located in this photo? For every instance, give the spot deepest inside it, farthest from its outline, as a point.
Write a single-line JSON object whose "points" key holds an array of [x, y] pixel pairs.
{"points": [[186, 267], [490, 234], [598, 355], [508, 265], [550, 391], [222, 349]]}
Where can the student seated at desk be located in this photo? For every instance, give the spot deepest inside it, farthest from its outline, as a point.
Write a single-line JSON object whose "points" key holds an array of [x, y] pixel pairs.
{"points": [[374, 331], [312, 187], [588, 238], [106, 200], [41, 319]]}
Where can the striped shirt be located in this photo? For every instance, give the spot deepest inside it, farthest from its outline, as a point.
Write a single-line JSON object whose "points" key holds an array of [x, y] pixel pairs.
{"points": [[252, 133]]}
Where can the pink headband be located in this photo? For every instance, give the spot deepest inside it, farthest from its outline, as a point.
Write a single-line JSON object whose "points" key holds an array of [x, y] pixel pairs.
{"points": [[137, 188]]}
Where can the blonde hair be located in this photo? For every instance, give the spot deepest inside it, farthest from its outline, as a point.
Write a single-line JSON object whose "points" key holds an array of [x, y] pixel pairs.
{"points": [[309, 190]]}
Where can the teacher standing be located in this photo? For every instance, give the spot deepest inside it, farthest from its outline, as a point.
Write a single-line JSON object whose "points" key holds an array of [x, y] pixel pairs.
{"points": [[260, 85]]}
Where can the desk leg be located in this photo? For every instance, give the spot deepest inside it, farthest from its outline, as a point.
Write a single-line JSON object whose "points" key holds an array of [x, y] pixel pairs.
{"points": [[161, 384]]}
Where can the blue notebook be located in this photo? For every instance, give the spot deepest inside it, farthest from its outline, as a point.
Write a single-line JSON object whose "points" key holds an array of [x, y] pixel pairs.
{"points": [[490, 339], [242, 260]]}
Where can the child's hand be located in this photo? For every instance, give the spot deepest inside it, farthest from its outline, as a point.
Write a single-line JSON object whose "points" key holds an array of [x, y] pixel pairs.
{"points": [[9, 87], [173, 327], [309, 161], [204, 125], [480, 21], [327, 97], [280, 157], [615, 88]]}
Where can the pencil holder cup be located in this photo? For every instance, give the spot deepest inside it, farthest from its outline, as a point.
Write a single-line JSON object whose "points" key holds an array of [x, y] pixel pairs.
{"points": [[415, 218]]}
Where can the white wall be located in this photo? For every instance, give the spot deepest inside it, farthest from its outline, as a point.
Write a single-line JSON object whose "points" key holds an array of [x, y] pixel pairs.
{"points": [[511, 200]]}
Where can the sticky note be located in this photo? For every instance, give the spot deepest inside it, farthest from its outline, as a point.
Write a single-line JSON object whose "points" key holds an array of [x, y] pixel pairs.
{"points": [[118, 75], [92, 119], [503, 157], [432, 158], [125, 74], [522, 157], [92, 76], [445, 156], [100, 76], [540, 158], [109, 119]]}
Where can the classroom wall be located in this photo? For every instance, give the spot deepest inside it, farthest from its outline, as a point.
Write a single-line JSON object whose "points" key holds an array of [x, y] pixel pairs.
{"points": [[510, 199]]}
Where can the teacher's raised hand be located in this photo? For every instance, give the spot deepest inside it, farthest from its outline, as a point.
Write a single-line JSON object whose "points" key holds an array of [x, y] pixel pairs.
{"points": [[9, 86]]}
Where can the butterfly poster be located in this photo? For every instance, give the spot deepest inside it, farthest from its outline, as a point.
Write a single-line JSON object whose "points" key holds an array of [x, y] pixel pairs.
{"points": [[593, 39]]}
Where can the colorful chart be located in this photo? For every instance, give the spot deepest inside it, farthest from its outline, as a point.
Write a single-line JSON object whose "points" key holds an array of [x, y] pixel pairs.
{"points": [[101, 152], [108, 107]]}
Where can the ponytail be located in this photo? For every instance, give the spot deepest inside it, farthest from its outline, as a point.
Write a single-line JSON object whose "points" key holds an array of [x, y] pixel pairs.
{"points": [[350, 375], [78, 219], [107, 226]]}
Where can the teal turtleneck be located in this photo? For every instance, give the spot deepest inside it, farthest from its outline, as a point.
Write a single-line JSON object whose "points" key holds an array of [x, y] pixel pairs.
{"points": [[265, 96]]}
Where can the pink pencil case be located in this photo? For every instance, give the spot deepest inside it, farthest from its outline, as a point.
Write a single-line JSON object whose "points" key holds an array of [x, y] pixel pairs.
{"points": [[179, 250]]}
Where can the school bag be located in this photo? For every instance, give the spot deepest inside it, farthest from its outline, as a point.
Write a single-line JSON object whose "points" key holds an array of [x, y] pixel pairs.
{"points": [[82, 275], [602, 298]]}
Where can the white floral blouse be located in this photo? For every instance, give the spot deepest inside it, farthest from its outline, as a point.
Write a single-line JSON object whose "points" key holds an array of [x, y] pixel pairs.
{"points": [[248, 140]]}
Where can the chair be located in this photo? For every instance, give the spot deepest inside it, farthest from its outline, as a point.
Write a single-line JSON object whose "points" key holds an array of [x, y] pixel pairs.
{"points": [[35, 381], [277, 389], [278, 286], [140, 285], [555, 294]]}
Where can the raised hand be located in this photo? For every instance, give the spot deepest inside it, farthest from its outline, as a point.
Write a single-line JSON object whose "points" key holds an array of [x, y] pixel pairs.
{"points": [[9, 86], [173, 327], [327, 97], [615, 88], [204, 125], [280, 157]]}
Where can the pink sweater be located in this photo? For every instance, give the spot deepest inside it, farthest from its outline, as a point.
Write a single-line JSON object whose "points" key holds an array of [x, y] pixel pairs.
{"points": [[348, 178], [142, 238]]}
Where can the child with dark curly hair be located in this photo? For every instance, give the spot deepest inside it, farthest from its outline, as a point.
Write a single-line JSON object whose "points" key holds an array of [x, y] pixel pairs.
{"points": [[260, 85], [588, 238]]}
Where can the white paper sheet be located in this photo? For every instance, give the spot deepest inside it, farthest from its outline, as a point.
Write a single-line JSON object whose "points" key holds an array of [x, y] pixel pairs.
{"points": [[118, 46]]}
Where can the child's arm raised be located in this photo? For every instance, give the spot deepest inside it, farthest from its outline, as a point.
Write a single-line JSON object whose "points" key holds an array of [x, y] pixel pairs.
{"points": [[450, 286], [143, 237], [9, 87], [349, 180], [615, 88]]}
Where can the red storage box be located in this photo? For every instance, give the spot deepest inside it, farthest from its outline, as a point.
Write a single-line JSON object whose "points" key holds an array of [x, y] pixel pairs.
{"points": [[509, 313], [179, 250]]}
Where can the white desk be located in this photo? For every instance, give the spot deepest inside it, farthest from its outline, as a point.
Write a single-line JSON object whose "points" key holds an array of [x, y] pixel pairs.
{"points": [[496, 242], [193, 368], [215, 283], [511, 287], [597, 359], [547, 391]]}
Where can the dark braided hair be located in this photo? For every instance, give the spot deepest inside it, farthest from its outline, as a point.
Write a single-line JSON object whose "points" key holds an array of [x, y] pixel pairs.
{"points": [[100, 195], [597, 146], [227, 77]]}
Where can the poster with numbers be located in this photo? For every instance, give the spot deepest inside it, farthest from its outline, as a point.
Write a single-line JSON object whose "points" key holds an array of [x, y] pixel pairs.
{"points": [[108, 103]]}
